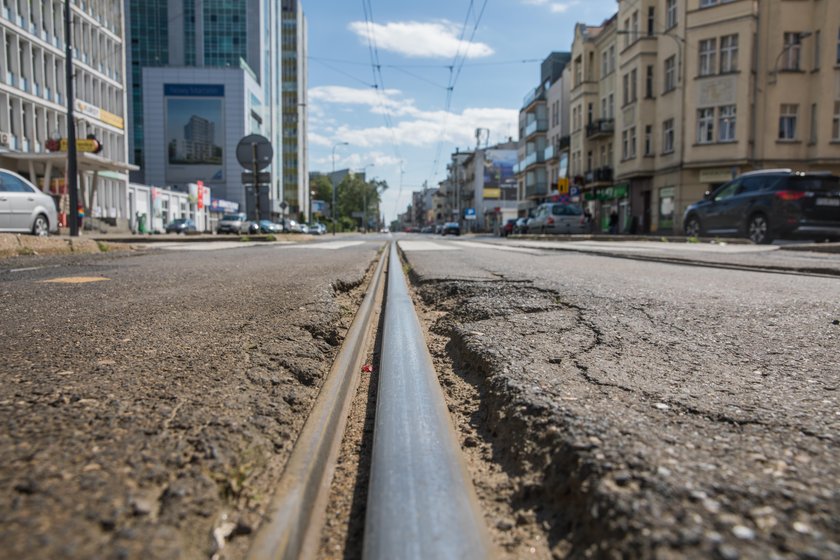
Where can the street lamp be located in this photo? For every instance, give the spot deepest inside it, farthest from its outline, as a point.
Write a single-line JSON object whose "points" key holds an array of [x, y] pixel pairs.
{"points": [[332, 180], [795, 42]]}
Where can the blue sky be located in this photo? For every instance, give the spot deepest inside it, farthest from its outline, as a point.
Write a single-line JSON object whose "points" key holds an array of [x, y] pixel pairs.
{"points": [[403, 127]]}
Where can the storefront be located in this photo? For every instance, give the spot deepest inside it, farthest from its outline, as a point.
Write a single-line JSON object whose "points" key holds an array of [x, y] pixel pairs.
{"points": [[603, 202]]}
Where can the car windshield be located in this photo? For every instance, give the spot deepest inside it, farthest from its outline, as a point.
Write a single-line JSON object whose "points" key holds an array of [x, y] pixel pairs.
{"points": [[232, 217]]}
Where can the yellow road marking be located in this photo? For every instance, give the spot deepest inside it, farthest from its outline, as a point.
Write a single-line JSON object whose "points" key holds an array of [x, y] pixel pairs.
{"points": [[75, 280]]}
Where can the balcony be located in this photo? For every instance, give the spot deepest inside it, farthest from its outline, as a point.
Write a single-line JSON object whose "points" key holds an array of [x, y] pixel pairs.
{"points": [[538, 125], [538, 189], [549, 153], [536, 94], [599, 175], [600, 128], [563, 143], [531, 159]]}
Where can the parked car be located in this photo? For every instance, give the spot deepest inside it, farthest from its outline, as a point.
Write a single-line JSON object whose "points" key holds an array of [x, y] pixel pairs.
{"points": [[267, 226], [317, 228], [25, 208], [232, 223], [451, 228], [765, 205], [521, 225], [507, 228], [427, 229], [557, 217], [181, 225]]}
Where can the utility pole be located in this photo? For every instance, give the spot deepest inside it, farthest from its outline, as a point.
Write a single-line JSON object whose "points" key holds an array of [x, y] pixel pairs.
{"points": [[72, 165]]}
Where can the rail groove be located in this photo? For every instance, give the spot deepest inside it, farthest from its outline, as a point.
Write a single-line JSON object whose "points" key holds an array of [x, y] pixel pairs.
{"points": [[296, 513]]}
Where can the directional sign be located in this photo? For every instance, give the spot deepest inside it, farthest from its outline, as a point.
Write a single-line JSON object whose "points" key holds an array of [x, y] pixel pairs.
{"points": [[562, 185], [262, 178], [254, 151]]}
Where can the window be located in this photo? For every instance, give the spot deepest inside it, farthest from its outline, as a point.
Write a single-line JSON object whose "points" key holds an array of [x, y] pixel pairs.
{"points": [[611, 106], [633, 142], [835, 123], [787, 121], [605, 66], [705, 126], [625, 149], [626, 33], [728, 53], [670, 14], [726, 123], [634, 25], [670, 73], [633, 89], [668, 136], [651, 21], [612, 58], [649, 82], [648, 140], [625, 88], [707, 50], [813, 138], [837, 56], [817, 50], [792, 51]]}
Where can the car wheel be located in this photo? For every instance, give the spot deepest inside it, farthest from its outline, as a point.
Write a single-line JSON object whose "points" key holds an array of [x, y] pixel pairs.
{"points": [[758, 230], [692, 227], [41, 226]]}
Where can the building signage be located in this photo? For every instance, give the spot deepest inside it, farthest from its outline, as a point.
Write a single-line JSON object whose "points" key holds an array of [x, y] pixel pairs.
{"points": [[4, 138], [194, 132], [719, 175], [89, 145], [469, 213], [93, 111], [608, 193], [223, 206]]}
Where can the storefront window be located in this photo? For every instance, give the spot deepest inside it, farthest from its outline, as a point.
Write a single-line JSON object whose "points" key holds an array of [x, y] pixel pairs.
{"points": [[666, 209]]}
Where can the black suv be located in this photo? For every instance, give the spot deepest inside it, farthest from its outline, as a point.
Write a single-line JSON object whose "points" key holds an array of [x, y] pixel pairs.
{"points": [[764, 205]]}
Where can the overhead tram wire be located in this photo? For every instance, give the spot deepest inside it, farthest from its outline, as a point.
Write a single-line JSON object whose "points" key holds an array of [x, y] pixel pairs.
{"points": [[378, 79]]}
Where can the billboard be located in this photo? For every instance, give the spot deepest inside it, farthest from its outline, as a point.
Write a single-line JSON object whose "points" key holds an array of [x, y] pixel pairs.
{"points": [[498, 169], [195, 132]]}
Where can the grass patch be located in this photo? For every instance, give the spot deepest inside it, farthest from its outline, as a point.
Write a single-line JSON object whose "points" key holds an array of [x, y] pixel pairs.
{"points": [[103, 247], [693, 239], [26, 252], [271, 237], [244, 238]]}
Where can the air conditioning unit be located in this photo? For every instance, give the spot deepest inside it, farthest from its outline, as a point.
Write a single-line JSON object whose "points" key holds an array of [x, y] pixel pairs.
{"points": [[4, 138]]}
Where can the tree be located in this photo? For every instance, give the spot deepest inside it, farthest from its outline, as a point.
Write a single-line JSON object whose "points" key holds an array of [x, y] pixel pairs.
{"points": [[322, 187], [353, 193]]}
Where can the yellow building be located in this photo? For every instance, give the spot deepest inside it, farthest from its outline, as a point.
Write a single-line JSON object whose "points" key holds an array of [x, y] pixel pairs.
{"points": [[705, 89]]}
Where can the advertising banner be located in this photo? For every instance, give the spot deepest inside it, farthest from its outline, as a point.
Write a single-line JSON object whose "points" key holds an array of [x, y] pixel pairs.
{"points": [[195, 132], [498, 169]]}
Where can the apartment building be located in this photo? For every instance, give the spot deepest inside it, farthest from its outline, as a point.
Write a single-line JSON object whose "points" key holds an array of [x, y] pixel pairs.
{"points": [[294, 155], [592, 106], [706, 89], [542, 124], [33, 101]]}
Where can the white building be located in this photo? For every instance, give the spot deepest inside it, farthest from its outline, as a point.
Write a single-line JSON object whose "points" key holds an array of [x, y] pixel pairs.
{"points": [[33, 100]]}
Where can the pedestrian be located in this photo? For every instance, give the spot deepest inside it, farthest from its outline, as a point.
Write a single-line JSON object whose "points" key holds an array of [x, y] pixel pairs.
{"points": [[80, 212], [587, 219], [613, 222]]}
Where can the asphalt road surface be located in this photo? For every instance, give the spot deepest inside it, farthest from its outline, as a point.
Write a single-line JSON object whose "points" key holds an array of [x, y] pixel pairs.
{"points": [[677, 406], [651, 409]]}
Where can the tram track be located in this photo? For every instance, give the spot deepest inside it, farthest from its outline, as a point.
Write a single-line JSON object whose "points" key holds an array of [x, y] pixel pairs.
{"points": [[421, 503]]}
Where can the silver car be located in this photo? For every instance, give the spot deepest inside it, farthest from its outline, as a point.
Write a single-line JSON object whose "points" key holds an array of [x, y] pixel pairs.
{"points": [[25, 208], [557, 217]]}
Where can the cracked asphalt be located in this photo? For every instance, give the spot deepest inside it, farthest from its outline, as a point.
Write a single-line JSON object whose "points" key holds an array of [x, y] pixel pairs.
{"points": [[150, 414], [650, 410]]}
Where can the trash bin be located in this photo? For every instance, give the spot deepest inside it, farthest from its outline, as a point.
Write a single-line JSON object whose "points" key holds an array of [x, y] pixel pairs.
{"points": [[141, 224]]}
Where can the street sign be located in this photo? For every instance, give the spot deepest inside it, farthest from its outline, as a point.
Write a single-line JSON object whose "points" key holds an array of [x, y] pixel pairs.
{"points": [[262, 178], [469, 213], [562, 185], [284, 205], [574, 191], [254, 151]]}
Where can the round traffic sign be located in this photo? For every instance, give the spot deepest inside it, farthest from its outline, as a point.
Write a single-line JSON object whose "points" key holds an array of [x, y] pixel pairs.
{"points": [[254, 151]]}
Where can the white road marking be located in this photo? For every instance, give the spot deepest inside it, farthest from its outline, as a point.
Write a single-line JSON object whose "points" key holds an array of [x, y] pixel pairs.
{"points": [[330, 245], [409, 246], [474, 245], [26, 269], [210, 245]]}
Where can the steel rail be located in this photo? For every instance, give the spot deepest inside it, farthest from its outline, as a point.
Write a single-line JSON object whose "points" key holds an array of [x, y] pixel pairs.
{"points": [[295, 516], [421, 502]]}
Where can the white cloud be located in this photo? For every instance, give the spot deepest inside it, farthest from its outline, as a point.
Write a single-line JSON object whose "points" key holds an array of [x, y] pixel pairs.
{"points": [[416, 39], [384, 102]]}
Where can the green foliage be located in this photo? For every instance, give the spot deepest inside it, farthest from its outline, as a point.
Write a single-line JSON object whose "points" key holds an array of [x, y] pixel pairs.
{"points": [[103, 247]]}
